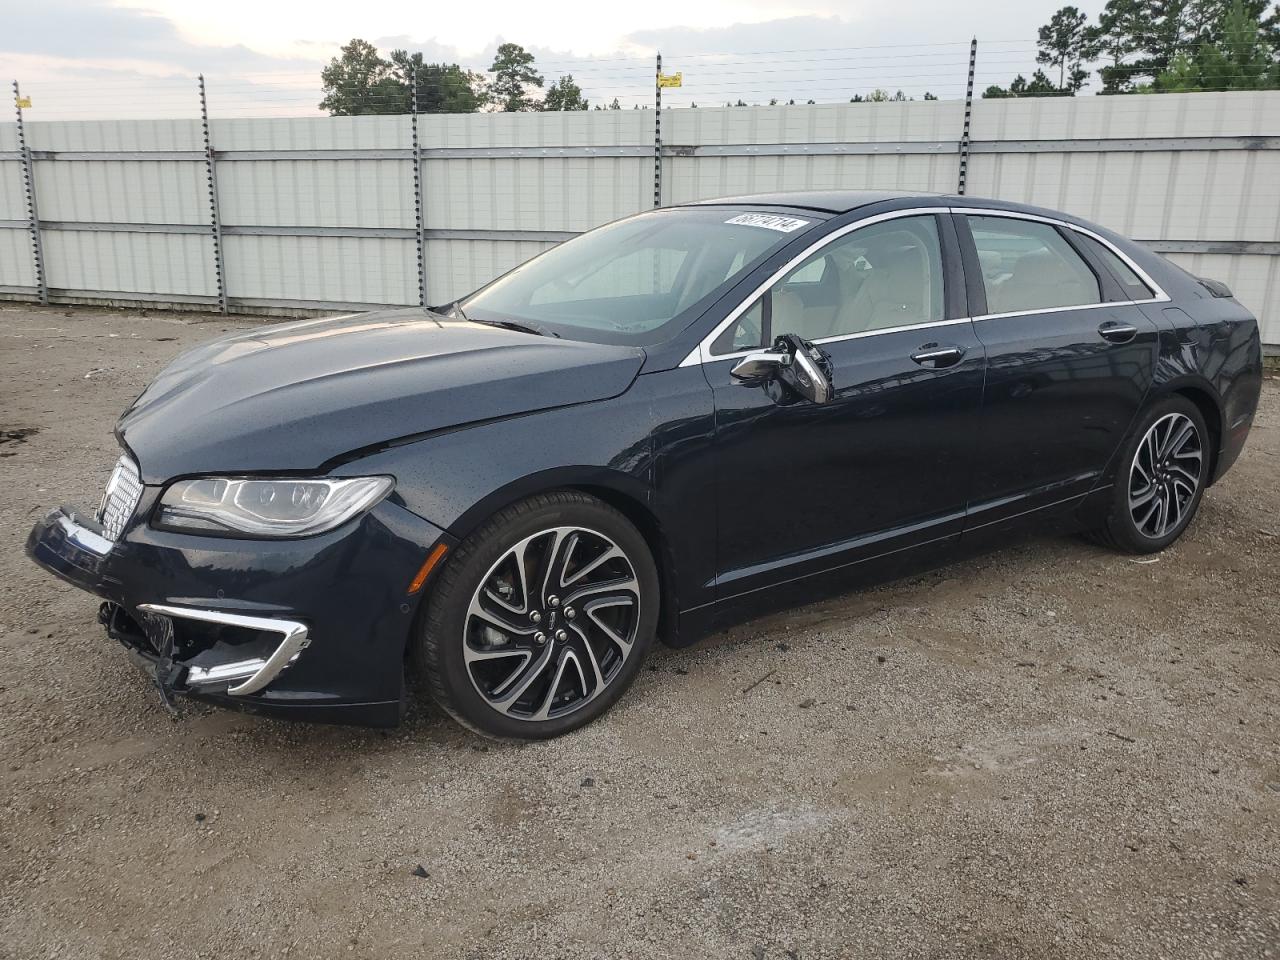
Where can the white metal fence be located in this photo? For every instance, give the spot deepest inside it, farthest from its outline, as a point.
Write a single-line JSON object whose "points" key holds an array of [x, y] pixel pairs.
{"points": [[323, 212]]}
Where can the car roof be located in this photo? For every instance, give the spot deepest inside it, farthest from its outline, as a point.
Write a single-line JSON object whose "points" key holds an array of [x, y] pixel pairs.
{"points": [[824, 201]]}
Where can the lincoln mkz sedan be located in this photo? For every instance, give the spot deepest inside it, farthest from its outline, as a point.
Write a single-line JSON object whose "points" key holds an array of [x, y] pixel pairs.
{"points": [[654, 430]]}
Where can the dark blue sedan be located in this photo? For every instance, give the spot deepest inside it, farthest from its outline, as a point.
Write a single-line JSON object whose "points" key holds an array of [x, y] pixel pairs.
{"points": [[653, 430]]}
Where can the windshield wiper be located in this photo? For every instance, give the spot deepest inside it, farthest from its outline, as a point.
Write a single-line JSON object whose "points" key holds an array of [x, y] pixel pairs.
{"points": [[523, 326]]}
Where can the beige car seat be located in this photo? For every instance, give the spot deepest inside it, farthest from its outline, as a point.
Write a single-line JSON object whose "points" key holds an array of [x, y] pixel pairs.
{"points": [[1039, 281], [894, 293]]}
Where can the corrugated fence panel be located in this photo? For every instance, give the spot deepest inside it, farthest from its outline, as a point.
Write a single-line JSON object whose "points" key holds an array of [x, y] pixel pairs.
{"points": [[107, 135], [114, 191], [331, 269], [1240, 113], [559, 193], [588, 128], [17, 268], [495, 176], [122, 191], [540, 192], [309, 192], [457, 267], [13, 198], [705, 177], [931, 125], [316, 193], [310, 133], [1180, 192], [123, 263], [1253, 279]]}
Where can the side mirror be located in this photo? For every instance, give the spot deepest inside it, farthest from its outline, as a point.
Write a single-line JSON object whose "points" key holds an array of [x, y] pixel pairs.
{"points": [[806, 376], [759, 367], [794, 362]]}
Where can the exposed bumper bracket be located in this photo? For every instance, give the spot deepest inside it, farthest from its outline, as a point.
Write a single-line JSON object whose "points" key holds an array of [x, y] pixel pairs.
{"points": [[255, 673]]}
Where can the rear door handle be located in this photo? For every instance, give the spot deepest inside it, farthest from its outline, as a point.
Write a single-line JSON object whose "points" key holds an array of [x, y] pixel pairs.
{"points": [[935, 356], [1117, 332]]}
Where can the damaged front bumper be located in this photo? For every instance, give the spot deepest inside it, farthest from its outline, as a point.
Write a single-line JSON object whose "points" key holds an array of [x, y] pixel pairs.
{"points": [[316, 630]]}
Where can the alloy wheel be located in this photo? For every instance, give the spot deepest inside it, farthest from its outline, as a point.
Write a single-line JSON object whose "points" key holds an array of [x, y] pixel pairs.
{"points": [[1165, 475], [551, 623]]}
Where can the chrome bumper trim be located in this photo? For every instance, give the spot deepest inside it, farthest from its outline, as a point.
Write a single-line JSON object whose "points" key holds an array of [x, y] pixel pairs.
{"points": [[82, 536], [255, 673]]}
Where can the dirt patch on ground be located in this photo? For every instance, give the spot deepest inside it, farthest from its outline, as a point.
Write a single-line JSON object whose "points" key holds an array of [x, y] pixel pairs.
{"points": [[1048, 751]]}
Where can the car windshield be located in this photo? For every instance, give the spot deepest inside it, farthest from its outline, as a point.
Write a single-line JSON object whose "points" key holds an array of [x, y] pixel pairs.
{"points": [[639, 280]]}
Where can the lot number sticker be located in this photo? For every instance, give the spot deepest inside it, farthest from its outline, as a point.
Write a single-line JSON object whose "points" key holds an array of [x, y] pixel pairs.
{"points": [[769, 221]]}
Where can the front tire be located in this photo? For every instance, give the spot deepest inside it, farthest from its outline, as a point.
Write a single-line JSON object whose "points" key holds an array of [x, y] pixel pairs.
{"points": [[541, 618], [1164, 468]]}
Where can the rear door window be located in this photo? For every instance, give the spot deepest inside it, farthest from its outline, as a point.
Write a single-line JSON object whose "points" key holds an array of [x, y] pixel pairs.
{"points": [[1028, 265]]}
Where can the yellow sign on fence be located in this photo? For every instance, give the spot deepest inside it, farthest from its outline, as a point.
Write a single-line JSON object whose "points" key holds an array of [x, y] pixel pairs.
{"points": [[25, 102], [670, 80]]}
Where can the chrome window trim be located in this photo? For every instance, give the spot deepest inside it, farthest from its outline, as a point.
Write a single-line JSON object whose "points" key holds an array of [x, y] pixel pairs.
{"points": [[926, 325], [1160, 295], [702, 352]]}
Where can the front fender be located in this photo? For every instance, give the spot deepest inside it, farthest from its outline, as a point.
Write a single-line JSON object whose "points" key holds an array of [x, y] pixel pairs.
{"points": [[651, 447]]}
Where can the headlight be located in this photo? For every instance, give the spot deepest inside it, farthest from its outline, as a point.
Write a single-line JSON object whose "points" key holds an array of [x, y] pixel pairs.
{"points": [[284, 507]]}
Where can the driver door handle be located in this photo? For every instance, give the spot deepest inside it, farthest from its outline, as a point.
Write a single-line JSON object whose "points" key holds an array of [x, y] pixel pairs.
{"points": [[936, 356], [1117, 332]]}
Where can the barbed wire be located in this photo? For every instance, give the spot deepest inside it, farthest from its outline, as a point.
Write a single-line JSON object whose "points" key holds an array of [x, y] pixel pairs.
{"points": [[758, 77]]}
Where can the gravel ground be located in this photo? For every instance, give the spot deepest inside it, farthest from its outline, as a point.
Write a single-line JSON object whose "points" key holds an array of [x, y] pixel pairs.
{"points": [[1048, 751]]}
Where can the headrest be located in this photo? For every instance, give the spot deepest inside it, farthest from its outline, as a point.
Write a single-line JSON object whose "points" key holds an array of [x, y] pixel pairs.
{"points": [[1041, 267]]}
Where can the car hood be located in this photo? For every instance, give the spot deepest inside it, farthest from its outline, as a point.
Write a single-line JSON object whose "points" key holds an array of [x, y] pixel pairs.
{"points": [[294, 396]]}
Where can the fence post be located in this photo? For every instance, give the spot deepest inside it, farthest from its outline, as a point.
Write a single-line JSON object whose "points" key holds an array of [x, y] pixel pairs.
{"points": [[657, 134], [33, 215], [968, 114], [419, 226], [215, 220]]}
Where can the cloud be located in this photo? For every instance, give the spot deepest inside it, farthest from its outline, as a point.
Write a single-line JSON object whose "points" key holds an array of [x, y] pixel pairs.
{"points": [[92, 58], [93, 31]]}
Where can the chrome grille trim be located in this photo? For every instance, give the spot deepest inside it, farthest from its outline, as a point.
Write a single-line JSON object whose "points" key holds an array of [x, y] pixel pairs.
{"points": [[124, 489]]}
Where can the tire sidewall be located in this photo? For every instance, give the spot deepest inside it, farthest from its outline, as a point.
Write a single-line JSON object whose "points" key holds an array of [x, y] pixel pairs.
{"points": [[450, 600], [1120, 522]]}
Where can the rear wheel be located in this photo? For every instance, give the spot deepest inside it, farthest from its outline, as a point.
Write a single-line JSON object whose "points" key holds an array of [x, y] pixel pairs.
{"points": [[541, 619], [1164, 468]]}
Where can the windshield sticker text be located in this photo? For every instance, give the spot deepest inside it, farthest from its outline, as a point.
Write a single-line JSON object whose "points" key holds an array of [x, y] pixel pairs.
{"points": [[769, 221]]}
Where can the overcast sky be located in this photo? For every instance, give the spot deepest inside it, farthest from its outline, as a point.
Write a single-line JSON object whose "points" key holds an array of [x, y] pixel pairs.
{"points": [[103, 58]]}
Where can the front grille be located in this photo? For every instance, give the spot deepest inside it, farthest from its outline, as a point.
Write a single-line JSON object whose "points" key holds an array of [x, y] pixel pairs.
{"points": [[121, 499]]}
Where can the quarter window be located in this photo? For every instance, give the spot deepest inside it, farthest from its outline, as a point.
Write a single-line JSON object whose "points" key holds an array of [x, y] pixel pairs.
{"points": [[1130, 282], [882, 276], [1028, 265]]}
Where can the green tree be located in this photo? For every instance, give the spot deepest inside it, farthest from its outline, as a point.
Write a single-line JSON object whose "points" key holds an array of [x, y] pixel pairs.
{"points": [[514, 74], [1066, 42], [564, 94], [1039, 86], [360, 82], [442, 87], [1232, 55], [1115, 38]]}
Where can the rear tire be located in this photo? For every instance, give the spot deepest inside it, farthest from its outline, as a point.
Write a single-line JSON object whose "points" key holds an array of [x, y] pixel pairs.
{"points": [[540, 619], [1162, 473]]}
